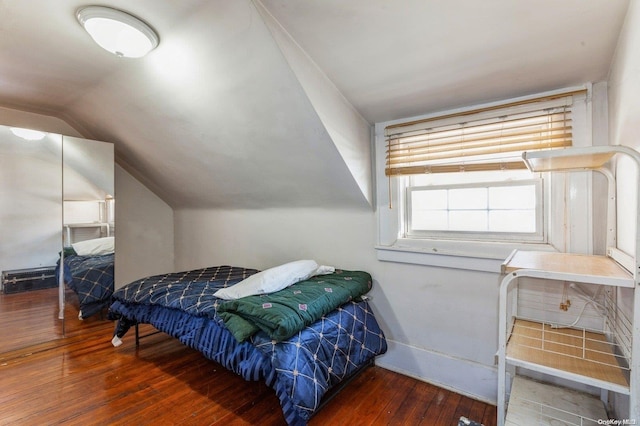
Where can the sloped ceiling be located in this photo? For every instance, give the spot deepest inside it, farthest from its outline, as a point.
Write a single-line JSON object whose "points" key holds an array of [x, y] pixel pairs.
{"points": [[218, 116]]}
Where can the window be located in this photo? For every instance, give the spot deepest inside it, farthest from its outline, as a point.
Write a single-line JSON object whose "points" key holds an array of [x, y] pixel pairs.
{"points": [[455, 183], [498, 211]]}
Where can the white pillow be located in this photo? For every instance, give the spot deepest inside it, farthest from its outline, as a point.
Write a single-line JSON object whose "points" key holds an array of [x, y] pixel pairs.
{"points": [[273, 279], [95, 247]]}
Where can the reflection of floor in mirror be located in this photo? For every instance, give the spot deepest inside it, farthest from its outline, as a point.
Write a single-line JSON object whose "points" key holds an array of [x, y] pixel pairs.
{"points": [[31, 317]]}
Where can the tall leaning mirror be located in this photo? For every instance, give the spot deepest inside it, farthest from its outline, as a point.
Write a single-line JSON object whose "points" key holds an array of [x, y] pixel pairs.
{"points": [[57, 227], [30, 236], [88, 230]]}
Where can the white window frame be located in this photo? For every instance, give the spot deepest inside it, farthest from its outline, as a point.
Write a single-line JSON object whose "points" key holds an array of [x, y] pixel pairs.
{"points": [[392, 244]]}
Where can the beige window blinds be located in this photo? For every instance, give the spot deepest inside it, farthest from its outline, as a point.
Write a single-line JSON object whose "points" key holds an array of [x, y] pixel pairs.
{"points": [[486, 139]]}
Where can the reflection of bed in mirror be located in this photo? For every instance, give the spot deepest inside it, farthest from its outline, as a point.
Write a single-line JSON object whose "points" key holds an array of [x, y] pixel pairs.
{"points": [[88, 223], [89, 272]]}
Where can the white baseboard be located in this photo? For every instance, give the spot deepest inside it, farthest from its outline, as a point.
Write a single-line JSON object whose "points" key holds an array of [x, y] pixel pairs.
{"points": [[468, 378]]}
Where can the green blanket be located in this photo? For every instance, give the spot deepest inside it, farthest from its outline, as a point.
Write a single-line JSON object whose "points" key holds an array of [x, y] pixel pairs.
{"points": [[285, 312]]}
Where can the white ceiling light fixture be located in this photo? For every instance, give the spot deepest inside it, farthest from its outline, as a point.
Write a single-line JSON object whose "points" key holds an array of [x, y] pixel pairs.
{"points": [[28, 134], [118, 32]]}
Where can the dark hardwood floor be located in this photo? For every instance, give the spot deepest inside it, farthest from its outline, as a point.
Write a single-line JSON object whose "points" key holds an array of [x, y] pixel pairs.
{"points": [[31, 317], [83, 380]]}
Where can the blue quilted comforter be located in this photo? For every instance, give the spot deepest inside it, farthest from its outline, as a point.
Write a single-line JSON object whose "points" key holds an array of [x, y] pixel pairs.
{"points": [[91, 278], [300, 369]]}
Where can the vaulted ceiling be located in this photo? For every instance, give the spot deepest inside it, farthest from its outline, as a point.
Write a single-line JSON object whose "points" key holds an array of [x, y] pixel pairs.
{"points": [[269, 103]]}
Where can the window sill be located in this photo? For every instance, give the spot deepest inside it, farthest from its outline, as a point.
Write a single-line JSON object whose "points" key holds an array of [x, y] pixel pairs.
{"points": [[483, 256]]}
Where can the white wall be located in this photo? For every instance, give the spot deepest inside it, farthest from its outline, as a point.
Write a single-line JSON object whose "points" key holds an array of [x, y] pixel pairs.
{"points": [[350, 133], [30, 201], [624, 114], [441, 323], [30, 120], [144, 231], [624, 129], [39, 228]]}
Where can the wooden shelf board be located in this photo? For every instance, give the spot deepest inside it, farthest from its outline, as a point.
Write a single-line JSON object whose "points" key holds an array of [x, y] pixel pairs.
{"points": [[86, 225], [562, 350], [535, 403], [579, 265], [558, 160]]}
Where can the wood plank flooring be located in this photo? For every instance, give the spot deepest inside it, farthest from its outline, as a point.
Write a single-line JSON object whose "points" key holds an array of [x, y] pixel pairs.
{"points": [[83, 380], [31, 317]]}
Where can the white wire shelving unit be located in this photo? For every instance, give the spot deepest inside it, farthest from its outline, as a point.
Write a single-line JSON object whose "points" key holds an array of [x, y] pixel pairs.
{"points": [[605, 357]]}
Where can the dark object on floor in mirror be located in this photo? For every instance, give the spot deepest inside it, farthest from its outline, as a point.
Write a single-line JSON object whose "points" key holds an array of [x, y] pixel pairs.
{"points": [[20, 280], [466, 422]]}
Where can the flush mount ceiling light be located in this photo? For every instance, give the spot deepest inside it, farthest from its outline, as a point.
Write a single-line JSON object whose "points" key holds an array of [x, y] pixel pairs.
{"points": [[28, 134], [118, 32]]}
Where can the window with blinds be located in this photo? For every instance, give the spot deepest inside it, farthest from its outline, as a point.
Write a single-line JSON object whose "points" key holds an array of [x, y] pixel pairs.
{"points": [[486, 139], [460, 176]]}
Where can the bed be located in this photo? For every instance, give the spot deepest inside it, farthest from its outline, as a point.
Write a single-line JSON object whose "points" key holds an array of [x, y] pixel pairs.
{"points": [[89, 272], [302, 367]]}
